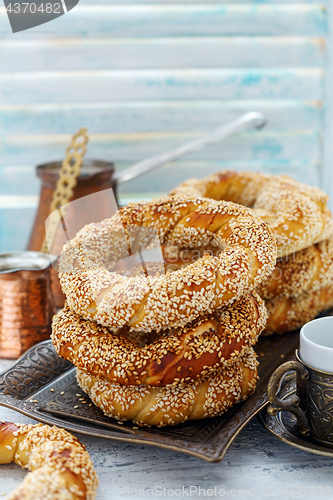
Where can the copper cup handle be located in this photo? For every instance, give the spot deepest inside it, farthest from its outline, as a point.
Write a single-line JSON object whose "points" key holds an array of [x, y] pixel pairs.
{"points": [[290, 404]]}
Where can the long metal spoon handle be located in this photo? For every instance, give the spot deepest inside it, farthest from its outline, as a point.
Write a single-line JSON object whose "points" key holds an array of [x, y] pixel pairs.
{"points": [[244, 122]]}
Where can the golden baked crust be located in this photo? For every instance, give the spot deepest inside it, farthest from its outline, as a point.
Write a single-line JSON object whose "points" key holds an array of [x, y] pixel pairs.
{"points": [[303, 272], [61, 467], [146, 303], [286, 314], [296, 213], [179, 356], [174, 404]]}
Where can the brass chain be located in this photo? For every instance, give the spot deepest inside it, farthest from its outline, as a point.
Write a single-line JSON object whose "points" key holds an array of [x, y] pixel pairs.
{"points": [[70, 170]]}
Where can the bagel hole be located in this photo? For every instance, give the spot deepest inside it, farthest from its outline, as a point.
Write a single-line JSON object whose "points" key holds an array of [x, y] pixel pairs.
{"points": [[140, 339], [174, 259]]}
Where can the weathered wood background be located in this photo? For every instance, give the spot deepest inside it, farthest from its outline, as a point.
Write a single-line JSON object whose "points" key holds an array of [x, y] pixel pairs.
{"points": [[146, 75]]}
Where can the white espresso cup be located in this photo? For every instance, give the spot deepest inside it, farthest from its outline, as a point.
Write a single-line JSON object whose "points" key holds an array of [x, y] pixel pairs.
{"points": [[316, 344]]}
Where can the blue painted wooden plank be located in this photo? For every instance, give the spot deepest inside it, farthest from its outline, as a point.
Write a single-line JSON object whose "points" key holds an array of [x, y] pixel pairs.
{"points": [[158, 116], [170, 176], [38, 87], [133, 147], [20, 183], [182, 20], [16, 223], [172, 2], [13, 201], [18, 180], [191, 52], [15, 227], [327, 174]]}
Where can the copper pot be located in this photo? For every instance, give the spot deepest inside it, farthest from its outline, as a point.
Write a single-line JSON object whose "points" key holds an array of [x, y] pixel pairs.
{"points": [[95, 176], [26, 301]]}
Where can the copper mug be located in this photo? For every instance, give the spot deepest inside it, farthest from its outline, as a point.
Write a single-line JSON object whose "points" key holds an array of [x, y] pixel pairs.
{"points": [[26, 301]]}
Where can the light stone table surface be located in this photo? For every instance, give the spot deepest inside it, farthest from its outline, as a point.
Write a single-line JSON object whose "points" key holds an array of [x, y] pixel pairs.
{"points": [[256, 466]]}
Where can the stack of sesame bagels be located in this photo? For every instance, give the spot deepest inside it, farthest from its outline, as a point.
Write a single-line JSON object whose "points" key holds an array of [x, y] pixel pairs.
{"points": [[300, 286], [160, 345]]}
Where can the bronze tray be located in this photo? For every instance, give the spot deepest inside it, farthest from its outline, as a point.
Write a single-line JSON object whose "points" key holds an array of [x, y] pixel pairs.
{"points": [[43, 386], [284, 425]]}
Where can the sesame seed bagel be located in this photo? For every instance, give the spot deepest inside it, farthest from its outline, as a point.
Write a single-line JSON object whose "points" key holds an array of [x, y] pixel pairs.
{"points": [[61, 466], [296, 213], [178, 356], [146, 303], [303, 272], [286, 314], [207, 397]]}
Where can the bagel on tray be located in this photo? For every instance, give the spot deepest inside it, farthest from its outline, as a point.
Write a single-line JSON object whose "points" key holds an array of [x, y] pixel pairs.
{"points": [[286, 314], [173, 404], [145, 303], [178, 356], [303, 272], [297, 214]]}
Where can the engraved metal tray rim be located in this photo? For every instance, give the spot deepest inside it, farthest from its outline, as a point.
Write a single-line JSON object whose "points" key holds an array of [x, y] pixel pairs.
{"points": [[41, 375]]}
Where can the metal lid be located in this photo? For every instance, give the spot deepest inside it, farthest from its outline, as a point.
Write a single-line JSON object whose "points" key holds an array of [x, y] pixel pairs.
{"points": [[11, 262]]}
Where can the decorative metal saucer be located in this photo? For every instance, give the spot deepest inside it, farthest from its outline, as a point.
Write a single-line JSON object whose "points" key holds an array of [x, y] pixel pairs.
{"points": [[283, 425], [43, 386]]}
